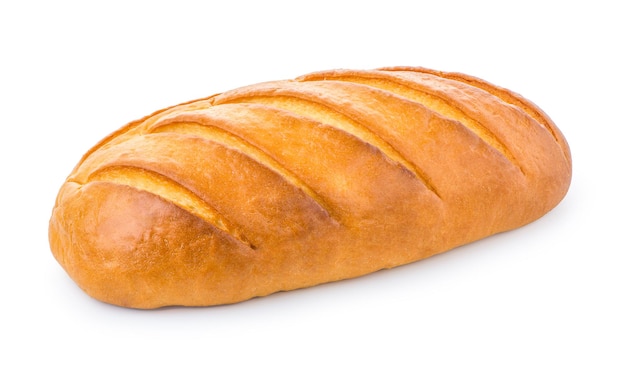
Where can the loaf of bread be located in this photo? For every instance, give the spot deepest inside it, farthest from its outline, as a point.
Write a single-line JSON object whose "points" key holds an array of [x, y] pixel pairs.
{"points": [[288, 184]]}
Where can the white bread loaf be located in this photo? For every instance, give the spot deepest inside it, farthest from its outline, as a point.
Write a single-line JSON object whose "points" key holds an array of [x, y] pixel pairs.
{"points": [[289, 184]]}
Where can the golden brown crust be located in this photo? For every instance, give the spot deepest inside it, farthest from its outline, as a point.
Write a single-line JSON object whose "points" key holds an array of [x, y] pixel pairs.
{"points": [[289, 184]]}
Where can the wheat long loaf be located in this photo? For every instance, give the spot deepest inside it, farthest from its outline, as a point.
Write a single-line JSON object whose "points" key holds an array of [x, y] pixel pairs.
{"points": [[288, 184]]}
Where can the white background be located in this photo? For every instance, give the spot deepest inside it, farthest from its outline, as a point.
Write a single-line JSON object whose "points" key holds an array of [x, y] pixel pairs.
{"points": [[545, 300]]}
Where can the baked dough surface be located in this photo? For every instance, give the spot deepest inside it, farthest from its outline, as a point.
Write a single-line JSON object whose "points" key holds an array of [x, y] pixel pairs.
{"points": [[288, 184]]}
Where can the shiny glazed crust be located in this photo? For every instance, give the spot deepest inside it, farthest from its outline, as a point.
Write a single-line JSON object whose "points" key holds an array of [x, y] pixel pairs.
{"points": [[288, 184]]}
